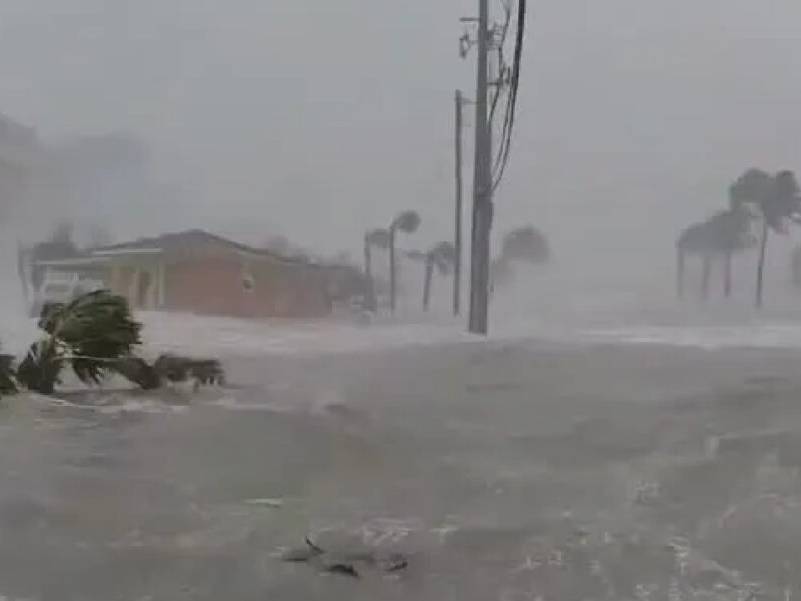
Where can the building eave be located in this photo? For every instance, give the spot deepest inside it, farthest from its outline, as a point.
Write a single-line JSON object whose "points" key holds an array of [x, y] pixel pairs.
{"points": [[74, 262], [127, 251]]}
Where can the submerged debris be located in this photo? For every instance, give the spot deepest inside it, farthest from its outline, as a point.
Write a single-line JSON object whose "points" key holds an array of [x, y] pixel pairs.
{"points": [[339, 567], [345, 563], [170, 368], [302, 554], [265, 502]]}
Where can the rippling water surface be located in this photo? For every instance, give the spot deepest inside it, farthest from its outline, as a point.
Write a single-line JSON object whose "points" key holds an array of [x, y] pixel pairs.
{"points": [[500, 472]]}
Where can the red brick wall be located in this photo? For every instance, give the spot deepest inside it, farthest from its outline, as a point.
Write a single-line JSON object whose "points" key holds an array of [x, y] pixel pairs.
{"points": [[210, 285], [213, 285]]}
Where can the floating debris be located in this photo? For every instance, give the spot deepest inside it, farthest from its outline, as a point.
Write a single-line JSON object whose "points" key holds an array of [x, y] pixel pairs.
{"points": [[346, 563], [342, 568], [265, 502], [302, 554]]}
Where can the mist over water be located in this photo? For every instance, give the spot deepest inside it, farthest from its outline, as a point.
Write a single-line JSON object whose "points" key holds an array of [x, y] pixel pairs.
{"points": [[606, 441]]}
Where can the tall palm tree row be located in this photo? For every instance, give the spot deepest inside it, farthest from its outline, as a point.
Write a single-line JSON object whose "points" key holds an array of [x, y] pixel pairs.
{"points": [[719, 237], [524, 244], [406, 222], [772, 200]]}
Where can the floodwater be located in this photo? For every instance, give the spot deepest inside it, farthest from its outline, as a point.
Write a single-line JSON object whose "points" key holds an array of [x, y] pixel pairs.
{"points": [[502, 472]]}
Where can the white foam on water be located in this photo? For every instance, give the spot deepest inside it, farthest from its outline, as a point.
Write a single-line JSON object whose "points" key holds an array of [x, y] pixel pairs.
{"points": [[775, 336], [230, 337], [224, 336]]}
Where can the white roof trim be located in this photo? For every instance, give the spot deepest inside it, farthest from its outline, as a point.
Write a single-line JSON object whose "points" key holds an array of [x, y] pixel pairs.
{"points": [[71, 262], [127, 251]]}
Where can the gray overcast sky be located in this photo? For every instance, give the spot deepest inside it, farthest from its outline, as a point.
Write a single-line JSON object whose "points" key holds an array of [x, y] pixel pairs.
{"points": [[312, 118]]}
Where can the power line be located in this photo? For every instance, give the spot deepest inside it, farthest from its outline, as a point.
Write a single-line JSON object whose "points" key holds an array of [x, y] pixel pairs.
{"points": [[502, 69], [502, 159]]}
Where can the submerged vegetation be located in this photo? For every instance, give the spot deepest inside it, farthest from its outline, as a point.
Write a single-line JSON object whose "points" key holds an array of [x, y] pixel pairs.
{"points": [[95, 335]]}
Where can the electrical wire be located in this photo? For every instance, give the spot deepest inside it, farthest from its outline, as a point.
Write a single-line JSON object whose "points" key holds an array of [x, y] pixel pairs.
{"points": [[502, 159], [511, 105], [507, 9]]}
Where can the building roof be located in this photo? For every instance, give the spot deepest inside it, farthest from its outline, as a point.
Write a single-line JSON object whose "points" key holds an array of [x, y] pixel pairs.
{"points": [[180, 240]]}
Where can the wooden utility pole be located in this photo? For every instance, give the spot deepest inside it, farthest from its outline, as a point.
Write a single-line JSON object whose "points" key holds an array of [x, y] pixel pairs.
{"points": [[457, 238], [482, 184], [369, 286], [392, 268]]}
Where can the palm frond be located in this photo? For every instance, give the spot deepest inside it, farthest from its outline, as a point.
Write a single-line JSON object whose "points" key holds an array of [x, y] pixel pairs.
{"points": [[40, 370], [525, 243], [169, 368], [175, 368], [443, 255], [407, 222], [138, 371], [416, 255], [96, 334], [95, 328], [379, 238], [750, 188]]}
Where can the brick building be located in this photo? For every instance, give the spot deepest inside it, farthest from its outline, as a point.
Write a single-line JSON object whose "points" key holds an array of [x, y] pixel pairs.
{"points": [[198, 272]]}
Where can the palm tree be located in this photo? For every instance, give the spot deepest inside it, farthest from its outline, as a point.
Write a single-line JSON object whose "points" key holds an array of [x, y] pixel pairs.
{"points": [[722, 235], [380, 239], [95, 335], [795, 266], [730, 232], [406, 222], [89, 333], [693, 240], [524, 244], [778, 201], [441, 256], [735, 236]]}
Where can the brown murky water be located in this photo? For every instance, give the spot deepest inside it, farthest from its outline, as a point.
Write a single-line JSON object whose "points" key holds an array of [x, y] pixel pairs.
{"points": [[501, 473]]}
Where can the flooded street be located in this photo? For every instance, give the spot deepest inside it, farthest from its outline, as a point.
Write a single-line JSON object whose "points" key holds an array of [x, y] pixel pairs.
{"points": [[505, 472]]}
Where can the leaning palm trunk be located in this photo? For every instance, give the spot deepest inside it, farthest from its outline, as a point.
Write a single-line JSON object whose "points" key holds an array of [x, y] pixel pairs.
{"points": [[369, 287], [392, 267], [727, 276], [23, 260], [427, 283], [761, 264], [705, 272], [680, 259]]}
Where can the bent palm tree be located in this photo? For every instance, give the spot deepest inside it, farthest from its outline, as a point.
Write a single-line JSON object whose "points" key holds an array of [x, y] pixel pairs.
{"points": [[442, 257], [693, 240], [89, 333], [378, 238], [722, 235], [95, 334], [778, 201], [795, 266], [525, 244], [406, 222], [732, 235]]}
